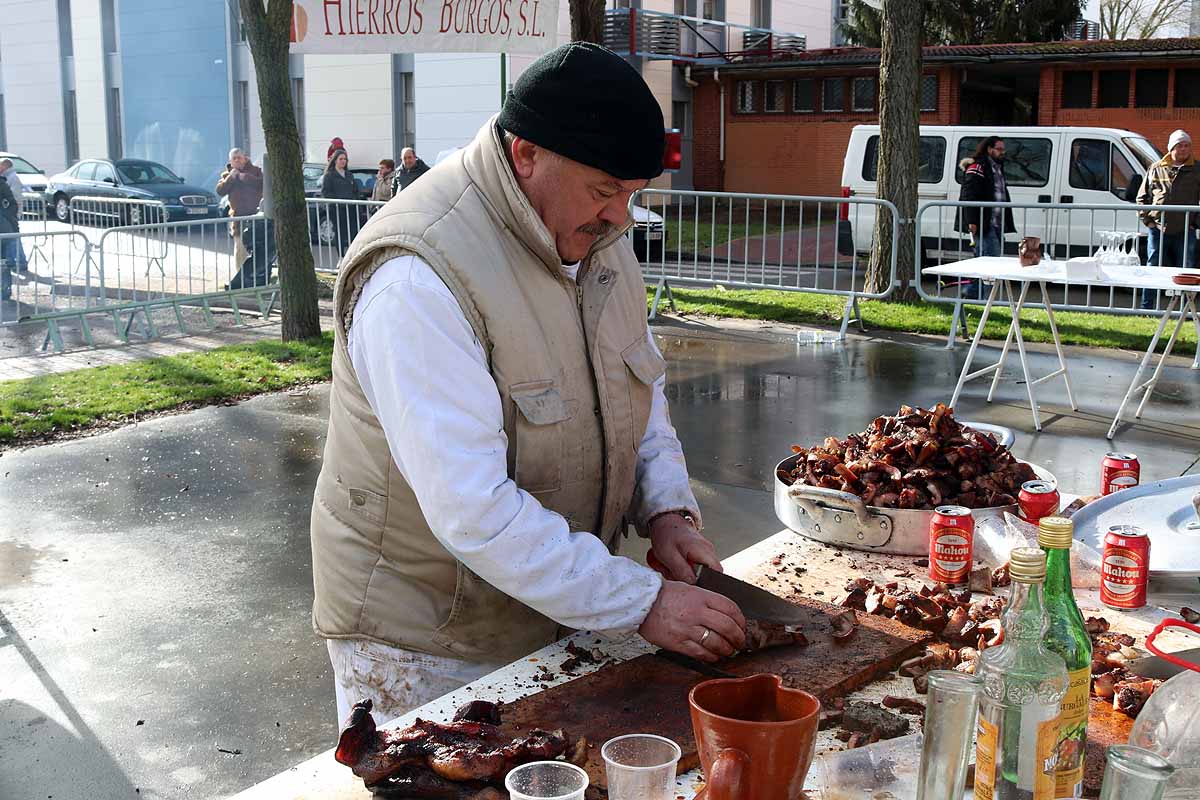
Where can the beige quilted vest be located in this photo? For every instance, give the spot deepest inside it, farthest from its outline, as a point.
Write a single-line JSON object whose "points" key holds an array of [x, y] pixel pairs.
{"points": [[574, 370]]}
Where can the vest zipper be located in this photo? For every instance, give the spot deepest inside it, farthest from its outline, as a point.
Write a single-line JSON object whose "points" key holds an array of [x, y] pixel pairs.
{"points": [[587, 351]]}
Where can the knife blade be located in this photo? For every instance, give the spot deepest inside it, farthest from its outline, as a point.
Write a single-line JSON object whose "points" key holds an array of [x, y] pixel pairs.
{"points": [[1160, 668], [754, 602], [679, 659]]}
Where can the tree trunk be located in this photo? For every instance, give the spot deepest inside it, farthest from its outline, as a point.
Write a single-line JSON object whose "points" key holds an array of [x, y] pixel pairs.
{"points": [[899, 132], [268, 31], [587, 21]]}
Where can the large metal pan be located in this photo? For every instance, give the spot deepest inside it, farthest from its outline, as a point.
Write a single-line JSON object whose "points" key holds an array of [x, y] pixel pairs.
{"points": [[842, 519]]}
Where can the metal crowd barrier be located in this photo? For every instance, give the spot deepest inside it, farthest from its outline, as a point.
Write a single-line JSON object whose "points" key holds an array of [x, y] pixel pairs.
{"points": [[43, 272], [332, 226], [185, 268], [109, 212], [1066, 230], [759, 241]]}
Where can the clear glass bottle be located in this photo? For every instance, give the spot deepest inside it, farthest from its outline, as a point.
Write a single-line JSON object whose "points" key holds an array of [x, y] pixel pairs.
{"points": [[1023, 687], [1132, 773], [1066, 636], [950, 707]]}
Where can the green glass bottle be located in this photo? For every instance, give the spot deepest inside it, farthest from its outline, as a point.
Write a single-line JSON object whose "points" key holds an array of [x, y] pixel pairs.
{"points": [[1066, 636], [1023, 687]]}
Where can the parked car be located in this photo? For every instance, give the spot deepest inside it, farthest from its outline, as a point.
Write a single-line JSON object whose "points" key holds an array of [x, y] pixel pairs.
{"points": [[131, 179], [648, 234], [1086, 166], [33, 180], [320, 227]]}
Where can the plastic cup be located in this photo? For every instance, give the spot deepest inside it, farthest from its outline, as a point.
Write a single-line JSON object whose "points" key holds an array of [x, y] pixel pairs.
{"points": [[546, 780], [640, 766]]}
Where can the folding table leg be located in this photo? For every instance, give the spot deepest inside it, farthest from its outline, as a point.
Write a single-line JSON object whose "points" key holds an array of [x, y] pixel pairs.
{"points": [[1012, 327], [1062, 360], [987, 310], [1016, 331], [1137, 376], [1150, 384]]}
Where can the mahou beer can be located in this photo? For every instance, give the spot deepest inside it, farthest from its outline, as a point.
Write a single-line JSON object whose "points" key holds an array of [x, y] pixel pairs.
{"points": [[1038, 499], [951, 545], [1119, 471], [1125, 567]]}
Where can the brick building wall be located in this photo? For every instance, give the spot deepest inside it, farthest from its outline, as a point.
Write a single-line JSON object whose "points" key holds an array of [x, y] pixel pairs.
{"points": [[787, 152]]}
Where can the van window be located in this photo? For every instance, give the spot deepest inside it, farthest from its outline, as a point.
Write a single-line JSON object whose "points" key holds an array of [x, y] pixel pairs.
{"points": [[1146, 153], [1089, 169], [1026, 160], [1123, 175], [931, 157]]}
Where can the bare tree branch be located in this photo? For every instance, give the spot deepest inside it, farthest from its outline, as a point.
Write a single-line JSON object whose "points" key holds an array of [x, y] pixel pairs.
{"points": [[1141, 19]]}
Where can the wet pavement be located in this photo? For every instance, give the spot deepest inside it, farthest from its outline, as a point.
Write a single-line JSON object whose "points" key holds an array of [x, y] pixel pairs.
{"points": [[155, 581]]}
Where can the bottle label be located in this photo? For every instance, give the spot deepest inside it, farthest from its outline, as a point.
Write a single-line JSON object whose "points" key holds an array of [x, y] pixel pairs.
{"points": [[986, 737], [1072, 736], [1047, 738]]}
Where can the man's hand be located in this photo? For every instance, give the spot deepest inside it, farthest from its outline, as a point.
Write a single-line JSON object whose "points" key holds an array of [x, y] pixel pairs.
{"points": [[972, 227], [694, 621], [680, 547]]}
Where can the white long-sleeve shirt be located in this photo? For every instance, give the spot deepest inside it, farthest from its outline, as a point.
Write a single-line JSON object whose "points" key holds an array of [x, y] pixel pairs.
{"points": [[426, 377]]}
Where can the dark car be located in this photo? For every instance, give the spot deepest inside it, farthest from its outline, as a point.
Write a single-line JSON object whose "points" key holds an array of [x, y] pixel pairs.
{"points": [[321, 229], [128, 179]]}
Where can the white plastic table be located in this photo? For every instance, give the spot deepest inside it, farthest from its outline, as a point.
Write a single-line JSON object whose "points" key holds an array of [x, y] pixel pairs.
{"points": [[1006, 274]]}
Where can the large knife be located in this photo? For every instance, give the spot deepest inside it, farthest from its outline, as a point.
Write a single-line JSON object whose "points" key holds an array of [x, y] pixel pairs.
{"points": [[754, 602], [1160, 668]]}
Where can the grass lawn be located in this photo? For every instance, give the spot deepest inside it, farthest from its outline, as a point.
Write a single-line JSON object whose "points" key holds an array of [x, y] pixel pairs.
{"points": [[692, 236], [35, 409]]}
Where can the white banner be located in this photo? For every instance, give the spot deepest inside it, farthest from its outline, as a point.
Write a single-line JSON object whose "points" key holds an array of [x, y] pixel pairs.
{"points": [[424, 26]]}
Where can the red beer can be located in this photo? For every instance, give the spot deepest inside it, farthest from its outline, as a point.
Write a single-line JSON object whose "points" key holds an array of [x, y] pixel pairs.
{"points": [[1038, 499], [1119, 471], [951, 545], [1125, 567]]}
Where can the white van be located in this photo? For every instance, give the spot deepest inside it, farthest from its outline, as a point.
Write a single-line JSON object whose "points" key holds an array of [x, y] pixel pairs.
{"points": [[1090, 166]]}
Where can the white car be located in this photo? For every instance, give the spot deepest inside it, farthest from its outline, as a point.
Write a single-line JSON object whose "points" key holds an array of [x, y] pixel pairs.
{"points": [[32, 179]]}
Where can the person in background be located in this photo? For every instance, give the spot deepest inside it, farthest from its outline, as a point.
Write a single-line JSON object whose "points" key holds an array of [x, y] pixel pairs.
{"points": [[383, 181], [14, 252], [983, 181], [1173, 181], [338, 184], [335, 143], [10, 211], [411, 168], [242, 183]]}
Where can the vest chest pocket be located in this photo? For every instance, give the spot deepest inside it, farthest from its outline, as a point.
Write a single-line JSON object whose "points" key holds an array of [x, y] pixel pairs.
{"points": [[647, 367], [537, 435]]}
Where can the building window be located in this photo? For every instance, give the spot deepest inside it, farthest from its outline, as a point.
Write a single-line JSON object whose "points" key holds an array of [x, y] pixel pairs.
{"points": [[804, 95], [929, 92], [66, 40], [108, 25], [762, 13], [1077, 89], [833, 94], [298, 108], [931, 159], [1187, 88], [410, 111], [1114, 88], [709, 10], [681, 118], [864, 94], [1151, 88], [116, 148], [1026, 160], [242, 139], [71, 120], [1089, 169], [775, 97], [746, 102]]}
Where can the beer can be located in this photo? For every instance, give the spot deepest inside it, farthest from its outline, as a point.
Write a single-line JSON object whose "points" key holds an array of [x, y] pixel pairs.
{"points": [[1125, 567], [951, 545], [1119, 471], [1037, 499]]}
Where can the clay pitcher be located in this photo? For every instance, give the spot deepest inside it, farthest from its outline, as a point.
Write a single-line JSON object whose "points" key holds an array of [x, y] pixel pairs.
{"points": [[1030, 251], [756, 738]]}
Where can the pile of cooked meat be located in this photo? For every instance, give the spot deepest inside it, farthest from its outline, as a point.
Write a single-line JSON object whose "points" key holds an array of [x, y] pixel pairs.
{"points": [[965, 627], [461, 760], [918, 459]]}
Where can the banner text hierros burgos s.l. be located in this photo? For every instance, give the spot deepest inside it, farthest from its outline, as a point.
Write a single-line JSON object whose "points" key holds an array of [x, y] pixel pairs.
{"points": [[424, 26]]}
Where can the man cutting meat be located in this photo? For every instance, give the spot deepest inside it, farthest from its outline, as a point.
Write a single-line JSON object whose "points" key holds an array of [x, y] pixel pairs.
{"points": [[497, 417]]}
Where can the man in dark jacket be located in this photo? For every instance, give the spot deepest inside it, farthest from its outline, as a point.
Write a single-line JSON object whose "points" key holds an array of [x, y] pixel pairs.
{"points": [[411, 168], [242, 183], [1173, 181], [983, 180], [10, 213]]}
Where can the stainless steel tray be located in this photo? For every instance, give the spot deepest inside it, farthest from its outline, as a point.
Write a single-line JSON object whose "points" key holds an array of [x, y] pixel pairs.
{"points": [[1164, 510], [842, 519]]}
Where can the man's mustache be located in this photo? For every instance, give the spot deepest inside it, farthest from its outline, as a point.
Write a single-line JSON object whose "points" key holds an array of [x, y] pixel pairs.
{"points": [[596, 228]]}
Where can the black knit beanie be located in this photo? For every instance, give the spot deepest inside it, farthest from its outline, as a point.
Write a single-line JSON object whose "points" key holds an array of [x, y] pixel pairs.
{"points": [[588, 104]]}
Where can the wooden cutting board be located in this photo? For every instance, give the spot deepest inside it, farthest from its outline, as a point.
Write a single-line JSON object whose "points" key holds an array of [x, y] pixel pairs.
{"points": [[649, 694], [1106, 726]]}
